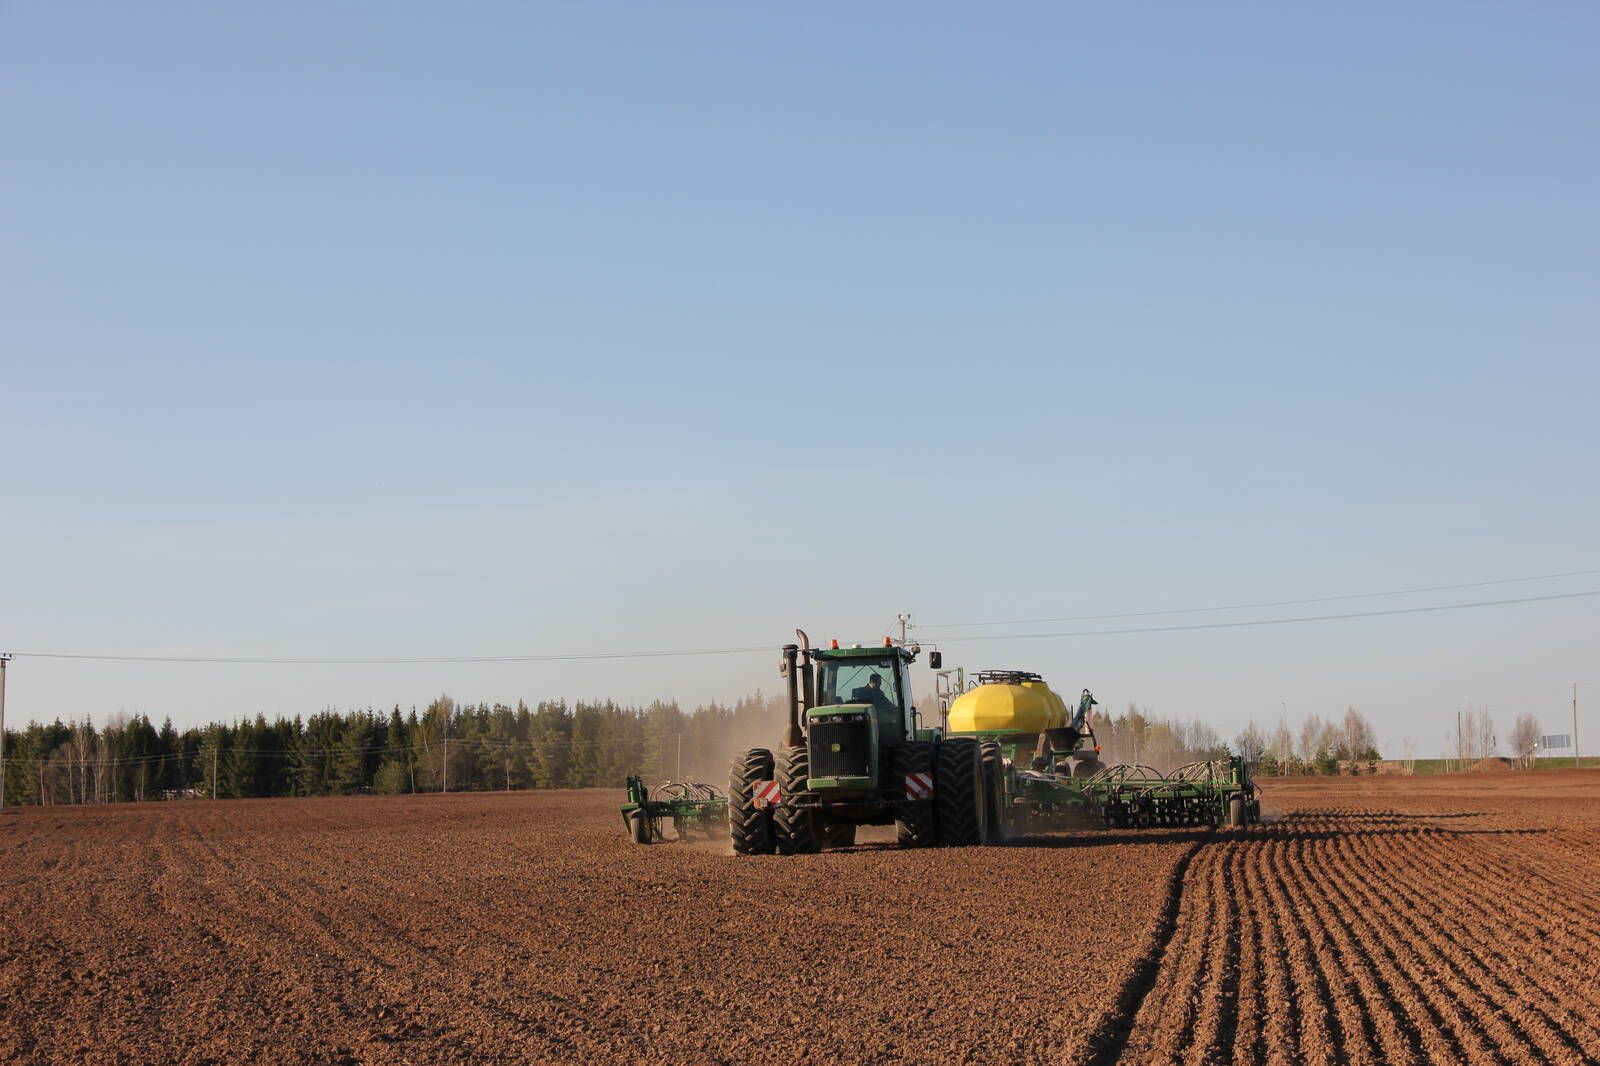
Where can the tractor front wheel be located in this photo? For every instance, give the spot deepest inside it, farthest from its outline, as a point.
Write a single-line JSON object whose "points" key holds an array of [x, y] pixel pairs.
{"points": [[839, 835], [749, 826], [795, 829]]}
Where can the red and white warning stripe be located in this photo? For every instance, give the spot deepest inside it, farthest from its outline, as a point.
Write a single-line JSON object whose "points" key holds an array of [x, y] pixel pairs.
{"points": [[919, 786], [766, 794]]}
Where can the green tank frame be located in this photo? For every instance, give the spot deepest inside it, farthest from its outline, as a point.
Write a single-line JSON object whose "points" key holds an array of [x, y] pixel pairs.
{"points": [[1214, 792], [1217, 792]]}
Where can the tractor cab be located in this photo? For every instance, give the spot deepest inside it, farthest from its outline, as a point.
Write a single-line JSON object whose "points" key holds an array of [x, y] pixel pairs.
{"points": [[861, 707]]}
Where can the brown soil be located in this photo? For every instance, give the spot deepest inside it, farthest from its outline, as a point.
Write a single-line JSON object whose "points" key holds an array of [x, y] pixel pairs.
{"points": [[1373, 919], [1390, 921], [1493, 766], [525, 927]]}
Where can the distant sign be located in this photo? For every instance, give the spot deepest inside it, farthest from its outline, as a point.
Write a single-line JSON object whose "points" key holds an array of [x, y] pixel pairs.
{"points": [[1556, 740]]}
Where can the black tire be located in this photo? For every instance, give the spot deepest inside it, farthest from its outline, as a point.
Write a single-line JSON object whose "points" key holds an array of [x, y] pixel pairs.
{"points": [[638, 827], [796, 830], [915, 821], [749, 826], [1086, 767], [959, 794], [1236, 811], [839, 835], [994, 784]]}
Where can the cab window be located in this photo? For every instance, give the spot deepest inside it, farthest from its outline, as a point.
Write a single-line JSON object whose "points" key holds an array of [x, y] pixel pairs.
{"points": [[851, 681]]}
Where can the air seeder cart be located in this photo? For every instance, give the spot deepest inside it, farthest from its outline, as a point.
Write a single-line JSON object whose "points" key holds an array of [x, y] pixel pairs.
{"points": [[1050, 772]]}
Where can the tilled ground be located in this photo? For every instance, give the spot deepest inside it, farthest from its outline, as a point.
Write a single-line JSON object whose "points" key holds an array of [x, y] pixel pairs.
{"points": [[1429, 920], [524, 927], [1372, 921]]}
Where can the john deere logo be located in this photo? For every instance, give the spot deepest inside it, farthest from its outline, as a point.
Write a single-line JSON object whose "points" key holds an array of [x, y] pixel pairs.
{"points": [[838, 747]]}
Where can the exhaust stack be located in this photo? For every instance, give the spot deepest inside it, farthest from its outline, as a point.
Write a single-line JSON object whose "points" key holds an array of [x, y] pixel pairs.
{"points": [[791, 671]]}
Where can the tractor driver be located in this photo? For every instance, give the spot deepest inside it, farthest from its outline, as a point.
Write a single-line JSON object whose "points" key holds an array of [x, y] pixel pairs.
{"points": [[873, 693]]}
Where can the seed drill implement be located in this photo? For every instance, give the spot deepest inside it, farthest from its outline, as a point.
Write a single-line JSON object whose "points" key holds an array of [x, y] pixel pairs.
{"points": [[693, 808]]}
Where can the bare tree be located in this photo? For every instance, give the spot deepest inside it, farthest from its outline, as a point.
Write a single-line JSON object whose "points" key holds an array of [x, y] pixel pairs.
{"points": [[1478, 733], [1252, 743], [1197, 739], [1408, 755], [433, 739], [80, 753], [1310, 738], [1328, 738], [1357, 738], [105, 757], [1525, 739], [1282, 747]]}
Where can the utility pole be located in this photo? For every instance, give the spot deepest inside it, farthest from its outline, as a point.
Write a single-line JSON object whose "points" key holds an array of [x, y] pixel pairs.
{"points": [[447, 749], [903, 620], [215, 792], [1461, 749], [680, 756], [6, 658], [1575, 761]]}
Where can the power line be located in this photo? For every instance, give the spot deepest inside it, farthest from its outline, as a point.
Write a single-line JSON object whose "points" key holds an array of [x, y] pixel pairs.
{"points": [[1272, 621], [1271, 603], [752, 649]]}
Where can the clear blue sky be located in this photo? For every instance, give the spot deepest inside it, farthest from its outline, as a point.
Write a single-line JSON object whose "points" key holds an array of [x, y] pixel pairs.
{"points": [[419, 329]]}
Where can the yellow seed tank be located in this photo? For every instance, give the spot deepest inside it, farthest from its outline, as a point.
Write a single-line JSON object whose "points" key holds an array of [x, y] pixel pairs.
{"points": [[1018, 707]]}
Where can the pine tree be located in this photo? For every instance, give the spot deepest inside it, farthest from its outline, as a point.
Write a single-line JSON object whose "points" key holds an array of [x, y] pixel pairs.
{"points": [[549, 741], [588, 734], [394, 774], [350, 773], [316, 753]]}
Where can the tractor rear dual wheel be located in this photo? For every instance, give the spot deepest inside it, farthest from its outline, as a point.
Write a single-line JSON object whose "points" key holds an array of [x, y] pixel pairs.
{"points": [[994, 783], [959, 793], [749, 826], [915, 820]]}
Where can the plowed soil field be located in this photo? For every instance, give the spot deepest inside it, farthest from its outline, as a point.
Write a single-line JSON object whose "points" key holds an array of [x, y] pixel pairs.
{"points": [[1371, 920], [1389, 920]]}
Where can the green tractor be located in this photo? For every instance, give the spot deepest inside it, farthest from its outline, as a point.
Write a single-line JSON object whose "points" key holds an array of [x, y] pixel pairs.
{"points": [[855, 753]]}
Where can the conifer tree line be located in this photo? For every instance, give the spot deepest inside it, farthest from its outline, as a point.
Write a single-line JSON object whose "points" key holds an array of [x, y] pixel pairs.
{"points": [[484, 747], [444, 746]]}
